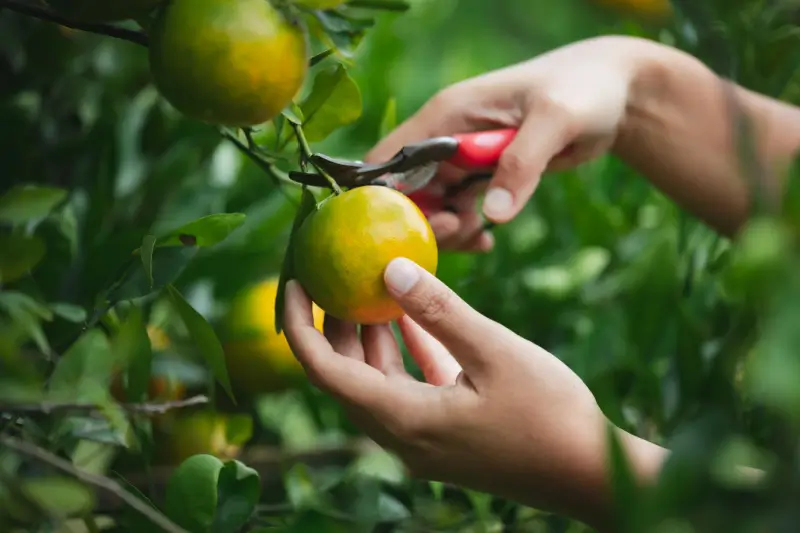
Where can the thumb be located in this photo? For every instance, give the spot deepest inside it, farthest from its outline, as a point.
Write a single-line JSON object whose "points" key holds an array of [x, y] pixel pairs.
{"points": [[540, 138], [469, 336]]}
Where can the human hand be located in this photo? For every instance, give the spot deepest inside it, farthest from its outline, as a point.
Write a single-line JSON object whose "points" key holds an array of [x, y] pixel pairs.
{"points": [[568, 106], [496, 412]]}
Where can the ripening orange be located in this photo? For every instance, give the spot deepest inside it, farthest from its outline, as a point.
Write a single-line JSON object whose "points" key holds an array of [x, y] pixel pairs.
{"points": [[343, 247]]}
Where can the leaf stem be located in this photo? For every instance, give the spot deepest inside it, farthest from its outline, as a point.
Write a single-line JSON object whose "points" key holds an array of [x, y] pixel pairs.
{"points": [[43, 13], [102, 482], [305, 151]]}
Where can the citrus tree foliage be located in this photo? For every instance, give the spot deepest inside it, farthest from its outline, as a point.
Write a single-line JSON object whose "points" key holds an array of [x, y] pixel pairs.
{"points": [[127, 228]]}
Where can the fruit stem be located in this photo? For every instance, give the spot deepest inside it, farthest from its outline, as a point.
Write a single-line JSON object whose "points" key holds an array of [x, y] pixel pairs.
{"points": [[306, 153]]}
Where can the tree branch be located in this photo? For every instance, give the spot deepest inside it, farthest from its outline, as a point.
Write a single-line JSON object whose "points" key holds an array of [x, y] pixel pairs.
{"points": [[102, 482], [138, 408], [43, 13]]}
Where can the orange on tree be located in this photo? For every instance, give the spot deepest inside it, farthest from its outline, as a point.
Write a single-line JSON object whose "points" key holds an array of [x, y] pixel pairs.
{"points": [[103, 10], [188, 433], [343, 247], [229, 62], [259, 359]]}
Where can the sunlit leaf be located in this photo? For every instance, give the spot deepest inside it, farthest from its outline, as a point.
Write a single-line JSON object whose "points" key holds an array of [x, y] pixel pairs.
{"points": [[206, 231], [21, 254], [24, 203], [307, 205], [334, 101], [204, 337]]}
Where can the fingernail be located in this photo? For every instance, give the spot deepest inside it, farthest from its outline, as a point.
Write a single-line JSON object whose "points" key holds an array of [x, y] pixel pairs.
{"points": [[497, 203], [401, 275]]}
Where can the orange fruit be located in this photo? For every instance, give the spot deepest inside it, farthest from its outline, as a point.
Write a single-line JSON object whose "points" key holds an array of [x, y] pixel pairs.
{"points": [[103, 10], [229, 62], [203, 431], [259, 360], [343, 247]]}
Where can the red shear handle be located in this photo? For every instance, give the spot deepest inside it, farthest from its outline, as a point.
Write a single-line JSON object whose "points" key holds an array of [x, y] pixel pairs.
{"points": [[482, 148]]}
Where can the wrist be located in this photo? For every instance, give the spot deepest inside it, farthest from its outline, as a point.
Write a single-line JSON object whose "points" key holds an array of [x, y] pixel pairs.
{"points": [[645, 460]]}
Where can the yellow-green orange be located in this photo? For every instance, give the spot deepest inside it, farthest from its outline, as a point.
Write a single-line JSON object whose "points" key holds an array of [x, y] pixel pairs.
{"points": [[103, 10], [230, 62], [190, 433], [259, 360], [343, 248]]}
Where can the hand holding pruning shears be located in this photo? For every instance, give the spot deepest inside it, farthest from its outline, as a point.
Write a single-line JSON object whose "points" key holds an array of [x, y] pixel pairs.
{"points": [[502, 130]]}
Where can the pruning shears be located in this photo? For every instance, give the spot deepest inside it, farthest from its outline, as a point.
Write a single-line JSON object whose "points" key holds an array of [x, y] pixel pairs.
{"points": [[413, 167]]}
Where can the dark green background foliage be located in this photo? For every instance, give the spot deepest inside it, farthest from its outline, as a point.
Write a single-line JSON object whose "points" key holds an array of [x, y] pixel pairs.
{"points": [[686, 338]]}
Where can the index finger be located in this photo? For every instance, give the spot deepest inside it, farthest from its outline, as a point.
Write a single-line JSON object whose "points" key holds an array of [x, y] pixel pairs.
{"points": [[346, 378]]}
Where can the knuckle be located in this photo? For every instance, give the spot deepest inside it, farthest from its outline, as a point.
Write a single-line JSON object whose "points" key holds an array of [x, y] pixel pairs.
{"points": [[437, 307], [514, 163]]}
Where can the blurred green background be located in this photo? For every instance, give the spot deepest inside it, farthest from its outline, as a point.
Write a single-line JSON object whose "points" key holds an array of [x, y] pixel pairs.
{"points": [[654, 311]]}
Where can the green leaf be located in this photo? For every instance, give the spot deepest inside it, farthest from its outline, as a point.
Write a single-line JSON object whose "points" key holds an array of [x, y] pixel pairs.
{"points": [[70, 312], [24, 203], [388, 5], [206, 495], [238, 428], [238, 489], [28, 314], [84, 372], [293, 113], [389, 120], [625, 491], [334, 101], [134, 352], [204, 338], [28, 251], [203, 232], [300, 488], [58, 497], [191, 495], [341, 32], [146, 251], [307, 205], [168, 263]]}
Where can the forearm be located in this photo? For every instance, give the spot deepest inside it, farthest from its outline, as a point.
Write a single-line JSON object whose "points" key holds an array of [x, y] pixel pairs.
{"points": [[680, 132]]}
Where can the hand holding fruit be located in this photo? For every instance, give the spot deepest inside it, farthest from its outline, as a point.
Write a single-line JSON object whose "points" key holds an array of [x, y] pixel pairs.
{"points": [[496, 413]]}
